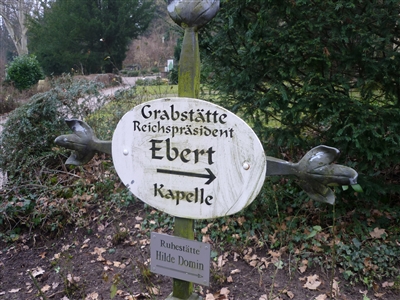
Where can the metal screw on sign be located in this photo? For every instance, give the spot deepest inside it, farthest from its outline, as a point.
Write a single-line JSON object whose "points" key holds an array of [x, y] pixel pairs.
{"points": [[212, 161]]}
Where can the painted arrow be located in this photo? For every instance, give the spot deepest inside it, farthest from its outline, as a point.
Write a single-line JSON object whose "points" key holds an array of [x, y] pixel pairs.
{"points": [[180, 271], [210, 176]]}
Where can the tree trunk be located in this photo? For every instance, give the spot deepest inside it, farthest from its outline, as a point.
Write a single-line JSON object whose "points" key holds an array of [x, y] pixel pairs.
{"points": [[14, 18]]}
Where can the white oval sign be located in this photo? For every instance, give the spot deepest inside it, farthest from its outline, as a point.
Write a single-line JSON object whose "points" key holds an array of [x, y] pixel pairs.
{"points": [[189, 158]]}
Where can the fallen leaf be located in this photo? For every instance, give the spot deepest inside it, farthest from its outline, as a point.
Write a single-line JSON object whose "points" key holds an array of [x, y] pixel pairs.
{"points": [[144, 242], [138, 296], [272, 238], [229, 279], [241, 220], [290, 294], [233, 272], [55, 285], [236, 236], [92, 296], [73, 279], [98, 251], [210, 296], [265, 261], [335, 288], [254, 263], [224, 291], [274, 254], [248, 251], [205, 229], [117, 264], [235, 256], [153, 290], [206, 238], [42, 255], [263, 297], [312, 282], [379, 295], [65, 248], [363, 292], [221, 261], [100, 228], [369, 265], [13, 291], [321, 297], [45, 288], [37, 272], [387, 284], [377, 233], [303, 266]]}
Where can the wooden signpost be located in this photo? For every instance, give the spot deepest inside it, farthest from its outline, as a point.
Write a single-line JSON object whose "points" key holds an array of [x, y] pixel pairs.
{"points": [[189, 158]]}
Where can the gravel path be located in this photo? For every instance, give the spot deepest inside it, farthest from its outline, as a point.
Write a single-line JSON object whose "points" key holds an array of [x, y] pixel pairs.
{"points": [[127, 82]]}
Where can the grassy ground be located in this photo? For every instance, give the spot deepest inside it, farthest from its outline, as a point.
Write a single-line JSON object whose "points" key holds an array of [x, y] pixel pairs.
{"points": [[157, 91]]}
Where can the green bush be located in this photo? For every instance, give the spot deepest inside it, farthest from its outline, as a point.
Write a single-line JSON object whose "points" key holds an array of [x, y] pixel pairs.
{"points": [[24, 71], [39, 191], [27, 139], [320, 79], [133, 73], [149, 81], [173, 75], [155, 70]]}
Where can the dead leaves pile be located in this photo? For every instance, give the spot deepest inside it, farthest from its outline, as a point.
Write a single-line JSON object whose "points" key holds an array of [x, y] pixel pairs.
{"points": [[272, 259], [66, 279]]}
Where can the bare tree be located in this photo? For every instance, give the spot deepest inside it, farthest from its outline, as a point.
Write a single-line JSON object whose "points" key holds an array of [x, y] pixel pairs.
{"points": [[154, 48], [14, 14]]}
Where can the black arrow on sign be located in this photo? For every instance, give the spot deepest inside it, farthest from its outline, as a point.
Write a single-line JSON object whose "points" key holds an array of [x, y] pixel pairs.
{"points": [[210, 176], [180, 271]]}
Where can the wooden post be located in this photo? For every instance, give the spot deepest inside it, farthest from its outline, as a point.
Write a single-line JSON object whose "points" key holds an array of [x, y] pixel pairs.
{"points": [[189, 65], [183, 228], [188, 86], [191, 15]]}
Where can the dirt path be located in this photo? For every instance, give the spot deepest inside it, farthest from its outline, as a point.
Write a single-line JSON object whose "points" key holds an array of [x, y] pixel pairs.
{"points": [[127, 82]]}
